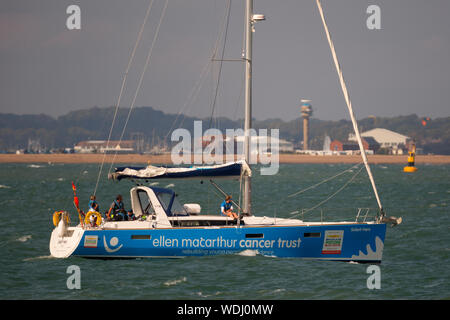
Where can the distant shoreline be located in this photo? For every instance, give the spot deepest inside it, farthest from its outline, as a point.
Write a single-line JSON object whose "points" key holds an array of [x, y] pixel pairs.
{"points": [[166, 158]]}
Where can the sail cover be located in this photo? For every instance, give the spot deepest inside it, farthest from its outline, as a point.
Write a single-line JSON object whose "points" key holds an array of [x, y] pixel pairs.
{"points": [[227, 170]]}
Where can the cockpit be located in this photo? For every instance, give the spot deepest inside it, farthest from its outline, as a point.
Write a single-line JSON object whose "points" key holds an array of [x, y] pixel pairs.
{"points": [[162, 205], [167, 199]]}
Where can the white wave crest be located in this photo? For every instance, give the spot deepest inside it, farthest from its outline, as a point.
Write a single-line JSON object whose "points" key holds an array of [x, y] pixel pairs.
{"points": [[248, 253], [200, 294], [34, 166], [24, 238], [38, 258], [175, 282]]}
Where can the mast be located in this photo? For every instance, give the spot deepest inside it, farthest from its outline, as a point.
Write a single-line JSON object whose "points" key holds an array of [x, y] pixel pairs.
{"points": [[248, 102], [250, 20]]}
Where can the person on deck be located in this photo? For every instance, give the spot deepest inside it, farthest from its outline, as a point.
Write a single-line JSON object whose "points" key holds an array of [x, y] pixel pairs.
{"points": [[226, 208], [117, 210], [93, 205]]}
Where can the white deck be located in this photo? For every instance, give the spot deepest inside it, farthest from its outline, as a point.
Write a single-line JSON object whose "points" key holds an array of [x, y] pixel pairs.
{"points": [[251, 221]]}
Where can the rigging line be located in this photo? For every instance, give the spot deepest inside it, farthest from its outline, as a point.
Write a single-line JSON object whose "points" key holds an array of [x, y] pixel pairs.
{"points": [[218, 195], [215, 185], [216, 46], [331, 196], [239, 99], [349, 105], [192, 95], [221, 61], [193, 99], [147, 62], [326, 180], [214, 52], [313, 186], [124, 79]]}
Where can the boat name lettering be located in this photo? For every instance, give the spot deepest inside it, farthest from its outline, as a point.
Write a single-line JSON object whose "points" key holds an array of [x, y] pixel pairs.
{"points": [[221, 242], [360, 229]]}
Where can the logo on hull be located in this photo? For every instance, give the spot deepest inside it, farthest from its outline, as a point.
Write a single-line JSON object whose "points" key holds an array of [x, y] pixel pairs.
{"points": [[113, 242], [332, 244], [90, 241]]}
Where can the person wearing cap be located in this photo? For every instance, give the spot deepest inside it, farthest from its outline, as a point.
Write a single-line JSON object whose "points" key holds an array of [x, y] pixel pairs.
{"points": [[226, 208]]}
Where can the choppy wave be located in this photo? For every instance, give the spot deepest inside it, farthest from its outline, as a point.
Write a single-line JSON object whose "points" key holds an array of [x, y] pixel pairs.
{"points": [[278, 290], [175, 282], [38, 258], [35, 166], [24, 238], [20, 239], [414, 271], [248, 253], [202, 295]]}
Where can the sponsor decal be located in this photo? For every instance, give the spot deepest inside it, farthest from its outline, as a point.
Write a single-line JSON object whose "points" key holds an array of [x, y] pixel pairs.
{"points": [[90, 241], [114, 241], [332, 243]]}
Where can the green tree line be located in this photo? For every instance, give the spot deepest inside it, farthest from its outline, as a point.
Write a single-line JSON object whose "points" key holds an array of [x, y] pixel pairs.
{"points": [[432, 135]]}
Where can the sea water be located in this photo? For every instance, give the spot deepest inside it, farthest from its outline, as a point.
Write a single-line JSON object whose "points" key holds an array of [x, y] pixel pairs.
{"points": [[415, 260]]}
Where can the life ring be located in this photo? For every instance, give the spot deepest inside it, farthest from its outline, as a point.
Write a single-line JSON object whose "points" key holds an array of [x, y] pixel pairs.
{"points": [[57, 217], [87, 219]]}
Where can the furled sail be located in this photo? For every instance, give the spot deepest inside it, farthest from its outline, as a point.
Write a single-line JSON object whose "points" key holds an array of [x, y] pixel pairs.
{"points": [[227, 170]]}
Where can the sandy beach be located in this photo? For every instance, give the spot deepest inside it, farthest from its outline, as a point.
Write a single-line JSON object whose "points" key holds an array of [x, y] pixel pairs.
{"points": [[166, 158]]}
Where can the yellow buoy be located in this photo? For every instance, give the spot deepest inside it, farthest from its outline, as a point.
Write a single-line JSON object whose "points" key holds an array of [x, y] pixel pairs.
{"points": [[409, 169], [411, 160]]}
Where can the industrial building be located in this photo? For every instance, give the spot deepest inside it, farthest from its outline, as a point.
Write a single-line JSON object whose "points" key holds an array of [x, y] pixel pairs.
{"points": [[392, 141]]}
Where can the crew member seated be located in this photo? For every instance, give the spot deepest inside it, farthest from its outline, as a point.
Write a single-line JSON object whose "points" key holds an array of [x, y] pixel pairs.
{"points": [[117, 211], [226, 208]]}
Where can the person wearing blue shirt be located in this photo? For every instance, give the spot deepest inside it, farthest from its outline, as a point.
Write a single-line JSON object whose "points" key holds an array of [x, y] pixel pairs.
{"points": [[226, 208], [93, 205]]}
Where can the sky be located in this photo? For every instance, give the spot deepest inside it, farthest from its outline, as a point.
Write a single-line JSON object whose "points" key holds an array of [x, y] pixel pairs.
{"points": [[400, 69]]}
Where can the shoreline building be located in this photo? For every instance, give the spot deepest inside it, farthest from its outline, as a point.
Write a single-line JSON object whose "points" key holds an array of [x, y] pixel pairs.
{"points": [[102, 146], [235, 144], [351, 147], [392, 141]]}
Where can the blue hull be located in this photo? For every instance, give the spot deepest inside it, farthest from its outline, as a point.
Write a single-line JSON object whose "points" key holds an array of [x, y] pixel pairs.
{"points": [[346, 242]]}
